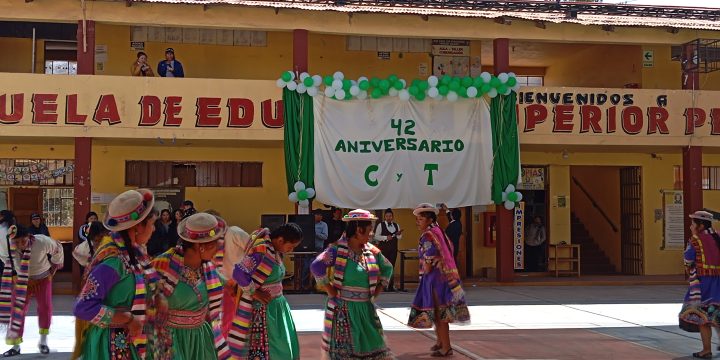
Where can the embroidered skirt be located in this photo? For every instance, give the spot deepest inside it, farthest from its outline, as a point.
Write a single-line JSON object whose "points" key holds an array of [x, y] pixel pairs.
{"points": [[356, 330]]}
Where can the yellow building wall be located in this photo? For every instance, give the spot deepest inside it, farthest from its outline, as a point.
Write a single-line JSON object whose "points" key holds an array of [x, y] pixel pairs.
{"points": [[667, 74], [241, 206], [601, 65], [16, 55], [199, 61]]}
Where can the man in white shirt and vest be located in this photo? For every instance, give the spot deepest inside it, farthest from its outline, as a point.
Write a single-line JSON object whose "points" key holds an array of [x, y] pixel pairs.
{"points": [[30, 264], [387, 235]]}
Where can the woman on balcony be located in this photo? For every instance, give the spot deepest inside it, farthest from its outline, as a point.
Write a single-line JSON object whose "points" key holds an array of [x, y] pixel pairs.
{"points": [[440, 299], [190, 328], [140, 67], [353, 329], [117, 293], [701, 308]]}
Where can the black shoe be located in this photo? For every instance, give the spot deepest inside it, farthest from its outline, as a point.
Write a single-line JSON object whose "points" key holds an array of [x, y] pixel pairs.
{"points": [[11, 352], [44, 349]]}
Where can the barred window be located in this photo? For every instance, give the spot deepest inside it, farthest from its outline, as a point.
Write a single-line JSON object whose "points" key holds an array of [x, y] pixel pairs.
{"points": [[158, 174], [58, 206], [710, 177]]}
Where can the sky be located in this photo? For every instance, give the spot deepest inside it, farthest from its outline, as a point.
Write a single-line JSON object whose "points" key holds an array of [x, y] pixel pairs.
{"points": [[683, 3]]}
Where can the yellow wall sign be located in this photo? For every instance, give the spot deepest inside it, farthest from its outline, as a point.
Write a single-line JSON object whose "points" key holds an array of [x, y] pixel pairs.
{"points": [[137, 107], [613, 116]]}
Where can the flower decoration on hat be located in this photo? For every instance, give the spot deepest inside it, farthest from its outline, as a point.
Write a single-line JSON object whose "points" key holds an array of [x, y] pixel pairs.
{"points": [[301, 195], [511, 197]]}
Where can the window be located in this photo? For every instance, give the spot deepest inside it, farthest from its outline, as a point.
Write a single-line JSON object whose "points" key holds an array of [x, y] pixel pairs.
{"points": [[710, 177], [530, 80], [36, 172], [58, 206], [156, 174]]}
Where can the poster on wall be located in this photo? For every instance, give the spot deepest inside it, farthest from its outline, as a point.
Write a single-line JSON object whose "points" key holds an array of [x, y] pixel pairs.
{"points": [[442, 150], [519, 236], [451, 65], [673, 220], [533, 178]]}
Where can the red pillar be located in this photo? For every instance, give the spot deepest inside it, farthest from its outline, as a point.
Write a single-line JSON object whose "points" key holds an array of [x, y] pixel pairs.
{"points": [[81, 181], [692, 155], [300, 50], [504, 244], [86, 48]]}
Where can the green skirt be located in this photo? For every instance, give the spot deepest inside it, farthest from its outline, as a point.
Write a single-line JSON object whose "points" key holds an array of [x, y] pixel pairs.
{"points": [[357, 333], [107, 344], [274, 322], [195, 343]]}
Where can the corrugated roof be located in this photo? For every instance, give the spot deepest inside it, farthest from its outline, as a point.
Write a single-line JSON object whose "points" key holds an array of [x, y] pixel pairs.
{"points": [[582, 13]]}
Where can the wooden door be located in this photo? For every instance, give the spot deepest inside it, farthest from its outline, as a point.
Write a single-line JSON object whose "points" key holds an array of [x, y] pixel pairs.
{"points": [[23, 202], [631, 228]]}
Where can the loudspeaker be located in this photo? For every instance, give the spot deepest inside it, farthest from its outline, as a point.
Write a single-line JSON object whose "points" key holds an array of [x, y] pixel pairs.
{"points": [[307, 224], [272, 221]]}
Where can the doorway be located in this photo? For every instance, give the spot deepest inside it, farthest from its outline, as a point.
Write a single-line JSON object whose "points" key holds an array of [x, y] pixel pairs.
{"points": [[632, 220], [534, 187]]}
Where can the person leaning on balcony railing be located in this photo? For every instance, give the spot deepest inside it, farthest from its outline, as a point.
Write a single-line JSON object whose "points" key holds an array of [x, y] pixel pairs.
{"points": [[140, 67], [170, 67]]}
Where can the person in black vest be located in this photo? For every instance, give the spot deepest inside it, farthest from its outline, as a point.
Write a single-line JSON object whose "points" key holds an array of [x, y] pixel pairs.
{"points": [[387, 234], [337, 227]]}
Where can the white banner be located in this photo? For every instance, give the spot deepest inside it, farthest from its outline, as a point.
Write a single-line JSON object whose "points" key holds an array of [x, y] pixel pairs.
{"points": [[390, 153]]}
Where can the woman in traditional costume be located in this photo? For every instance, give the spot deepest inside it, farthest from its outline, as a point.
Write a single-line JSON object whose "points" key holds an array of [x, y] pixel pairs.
{"points": [[192, 285], [263, 327], [352, 326], [440, 299], [701, 308], [116, 297]]}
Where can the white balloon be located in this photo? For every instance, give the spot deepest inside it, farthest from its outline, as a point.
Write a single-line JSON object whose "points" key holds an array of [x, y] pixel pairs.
{"points": [[354, 90], [304, 76], [362, 78], [338, 75], [299, 186], [292, 86], [312, 91], [301, 88], [393, 92], [504, 196], [452, 96], [280, 83], [472, 91], [340, 94], [516, 87], [404, 95], [510, 189], [508, 205], [507, 92], [520, 197], [403, 82], [512, 74], [304, 203], [493, 93], [362, 95], [310, 193], [353, 82], [486, 76], [329, 91], [433, 92], [317, 80], [337, 84], [293, 197], [432, 81], [503, 77]]}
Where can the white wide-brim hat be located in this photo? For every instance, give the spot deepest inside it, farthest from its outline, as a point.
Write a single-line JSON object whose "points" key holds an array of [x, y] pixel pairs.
{"points": [[128, 209], [359, 215], [425, 207], [201, 228], [702, 215]]}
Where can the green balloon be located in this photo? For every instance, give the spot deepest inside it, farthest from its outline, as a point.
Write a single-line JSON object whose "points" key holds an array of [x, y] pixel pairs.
{"points": [[455, 86], [286, 76], [445, 80], [364, 85], [513, 196], [511, 82], [374, 82], [413, 90], [467, 81], [384, 84], [385, 91], [495, 82], [502, 89], [348, 96], [485, 88], [392, 79], [328, 80], [302, 195], [463, 92], [423, 85], [420, 96], [397, 85], [478, 82], [444, 90], [346, 84], [308, 82], [376, 93]]}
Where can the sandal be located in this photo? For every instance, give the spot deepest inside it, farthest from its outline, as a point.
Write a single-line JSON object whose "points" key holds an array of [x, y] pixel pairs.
{"points": [[44, 349], [698, 355], [436, 347], [11, 352], [438, 353]]}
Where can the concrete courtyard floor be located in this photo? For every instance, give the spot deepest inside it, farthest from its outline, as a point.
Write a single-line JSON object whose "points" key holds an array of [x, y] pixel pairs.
{"points": [[518, 322]]}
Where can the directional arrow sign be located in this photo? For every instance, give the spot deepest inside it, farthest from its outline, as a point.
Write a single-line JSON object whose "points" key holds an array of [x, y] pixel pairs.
{"points": [[648, 58]]}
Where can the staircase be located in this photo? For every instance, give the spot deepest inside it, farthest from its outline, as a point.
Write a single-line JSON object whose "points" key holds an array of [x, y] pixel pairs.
{"points": [[593, 260]]}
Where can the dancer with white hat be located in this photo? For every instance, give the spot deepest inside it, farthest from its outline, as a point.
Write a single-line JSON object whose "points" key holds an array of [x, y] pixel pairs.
{"points": [[440, 299], [352, 327]]}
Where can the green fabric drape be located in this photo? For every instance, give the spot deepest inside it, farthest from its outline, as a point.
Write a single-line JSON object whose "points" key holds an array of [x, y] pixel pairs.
{"points": [[299, 139], [506, 145]]}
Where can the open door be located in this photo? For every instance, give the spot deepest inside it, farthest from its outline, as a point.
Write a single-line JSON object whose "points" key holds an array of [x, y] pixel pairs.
{"points": [[23, 202]]}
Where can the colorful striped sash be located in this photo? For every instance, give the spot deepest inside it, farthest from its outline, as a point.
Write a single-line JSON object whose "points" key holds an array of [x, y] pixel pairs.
{"points": [[343, 252], [13, 291], [240, 329]]}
